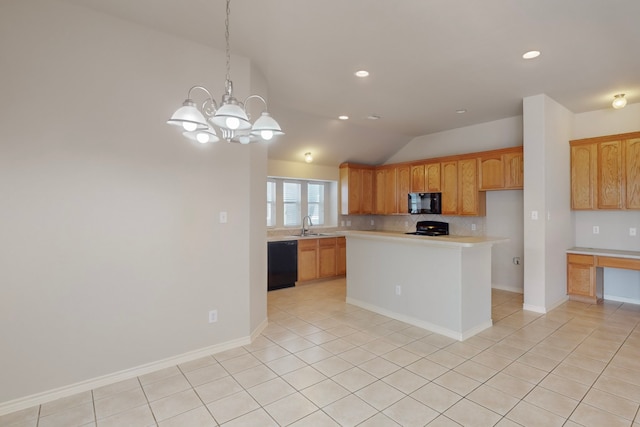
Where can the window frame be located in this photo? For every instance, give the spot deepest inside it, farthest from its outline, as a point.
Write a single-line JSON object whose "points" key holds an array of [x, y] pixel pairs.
{"points": [[304, 201]]}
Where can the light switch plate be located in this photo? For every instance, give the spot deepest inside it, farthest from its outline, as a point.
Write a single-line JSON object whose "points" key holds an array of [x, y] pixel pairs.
{"points": [[596, 229], [223, 217], [632, 231], [534, 215]]}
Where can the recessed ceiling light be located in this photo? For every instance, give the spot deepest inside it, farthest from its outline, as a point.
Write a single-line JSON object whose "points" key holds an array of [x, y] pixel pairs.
{"points": [[362, 73], [461, 111], [343, 117], [373, 117], [531, 54]]}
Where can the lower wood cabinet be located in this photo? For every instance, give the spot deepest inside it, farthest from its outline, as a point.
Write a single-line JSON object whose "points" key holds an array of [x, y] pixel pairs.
{"points": [[321, 258], [581, 277]]}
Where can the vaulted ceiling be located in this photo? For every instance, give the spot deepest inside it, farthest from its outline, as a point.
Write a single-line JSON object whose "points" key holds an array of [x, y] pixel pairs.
{"points": [[426, 58]]}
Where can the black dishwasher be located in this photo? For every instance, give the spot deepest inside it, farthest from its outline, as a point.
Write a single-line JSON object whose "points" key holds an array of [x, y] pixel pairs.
{"points": [[282, 261]]}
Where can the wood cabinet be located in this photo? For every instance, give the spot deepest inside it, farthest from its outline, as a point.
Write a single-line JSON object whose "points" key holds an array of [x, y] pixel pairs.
{"points": [[605, 172], [341, 256], [609, 186], [449, 187], [460, 193], [327, 255], [581, 277], [583, 173], [378, 193], [390, 201], [356, 189], [632, 172], [403, 187], [321, 258], [470, 200], [417, 179], [501, 169], [432, 177], [307, 259]]}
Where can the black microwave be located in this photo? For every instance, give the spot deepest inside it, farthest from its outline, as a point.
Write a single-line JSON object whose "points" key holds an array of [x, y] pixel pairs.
{"points": [[425, 203]]}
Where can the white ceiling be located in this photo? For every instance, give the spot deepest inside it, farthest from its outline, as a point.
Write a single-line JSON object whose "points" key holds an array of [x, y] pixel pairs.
{"points": [[427, 59]]}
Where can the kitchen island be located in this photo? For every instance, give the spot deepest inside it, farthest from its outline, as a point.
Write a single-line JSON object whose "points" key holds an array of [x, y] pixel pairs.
{"points": [[442, 284]]}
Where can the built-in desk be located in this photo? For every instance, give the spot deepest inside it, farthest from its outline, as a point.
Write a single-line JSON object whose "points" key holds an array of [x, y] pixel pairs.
{"points": [[584, 270]]}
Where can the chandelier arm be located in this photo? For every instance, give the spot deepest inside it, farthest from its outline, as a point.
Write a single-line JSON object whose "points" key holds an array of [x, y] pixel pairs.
{"points": [[210, 100], [264, 101]]}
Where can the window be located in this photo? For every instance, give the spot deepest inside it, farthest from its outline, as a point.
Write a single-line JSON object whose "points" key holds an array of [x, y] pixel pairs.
{"points": [[271, 203], [292, 203], [288, 201]]}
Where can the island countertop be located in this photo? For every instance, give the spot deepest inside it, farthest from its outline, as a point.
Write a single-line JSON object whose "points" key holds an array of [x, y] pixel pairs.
{"points": [[450, 240]]}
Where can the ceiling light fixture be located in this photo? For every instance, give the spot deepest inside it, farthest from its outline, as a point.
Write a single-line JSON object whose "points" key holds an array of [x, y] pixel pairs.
{"points": [[362, 73], [373, 117], [343, 117], [619, 101], [531, 54], [461, 111], [230, 117], [308, 157]]}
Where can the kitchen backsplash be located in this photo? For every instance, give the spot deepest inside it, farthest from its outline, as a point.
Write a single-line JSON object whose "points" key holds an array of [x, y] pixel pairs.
{"points": [[461, 226]]}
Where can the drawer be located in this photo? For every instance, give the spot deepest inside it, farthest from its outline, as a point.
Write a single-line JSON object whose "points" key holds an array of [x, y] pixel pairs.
{"points": [[327, 242], [581, 259], [626, 263], [307, 244]]}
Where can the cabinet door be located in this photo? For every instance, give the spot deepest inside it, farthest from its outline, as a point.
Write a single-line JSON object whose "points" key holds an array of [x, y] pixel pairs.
{"points": [[417, 179], [355, 191], [378, 199], [491, 172], [581, 279], [513, 170], [390, 191], [327, 257], [632, 170], [450, 188], [470, 200], [307, 259], [432, 177], [609, 180], [366, 201], [583, 164], [403, 177], [341, 256]]}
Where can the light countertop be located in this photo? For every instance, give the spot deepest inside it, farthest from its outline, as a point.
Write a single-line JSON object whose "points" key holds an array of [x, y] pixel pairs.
{"points": [[605, 252], [450, 240]]}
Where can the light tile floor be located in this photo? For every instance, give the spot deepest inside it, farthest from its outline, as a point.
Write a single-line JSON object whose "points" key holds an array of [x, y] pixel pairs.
{"points": [[322, 362]]}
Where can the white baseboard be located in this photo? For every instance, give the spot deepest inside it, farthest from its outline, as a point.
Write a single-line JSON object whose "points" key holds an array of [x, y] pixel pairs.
{"points": [[544, 310], [621, 299], [93, 383], [515, 289], [460, 336]]}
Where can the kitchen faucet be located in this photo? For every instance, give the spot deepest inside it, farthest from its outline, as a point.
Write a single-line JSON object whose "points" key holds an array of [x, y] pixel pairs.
{"points": [[304, 220]]}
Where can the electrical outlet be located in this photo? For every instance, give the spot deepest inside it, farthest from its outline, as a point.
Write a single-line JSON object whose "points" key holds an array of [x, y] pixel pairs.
{"points": [[223, 217], [632, 231], [534, 215], [473, 227], [398, 290], [373, 222], [596, 229], [213, 316], [348, 223], [341, 223]]}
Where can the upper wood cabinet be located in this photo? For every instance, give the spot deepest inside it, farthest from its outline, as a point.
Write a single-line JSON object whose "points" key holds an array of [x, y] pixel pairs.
{"points": [[501, 169], [583, 173], [605, 172], [609, 175], [632, 172], [378, 193], [356, 189], [403, 187], [417, 179], [470, 200], [449, 187], [390, 200], [432, 178]]}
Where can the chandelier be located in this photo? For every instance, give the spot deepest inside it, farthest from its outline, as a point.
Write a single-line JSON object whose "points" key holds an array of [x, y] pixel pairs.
{"points": [[198, 122]]}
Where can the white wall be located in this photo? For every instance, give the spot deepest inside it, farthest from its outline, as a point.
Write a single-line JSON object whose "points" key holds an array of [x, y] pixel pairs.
{"points": [[111, 250], [623, 285], [547, 130]]}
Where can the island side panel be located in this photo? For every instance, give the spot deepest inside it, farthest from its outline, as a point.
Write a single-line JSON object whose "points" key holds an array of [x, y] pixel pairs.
{"points": [[429, 277], [476, 289]]}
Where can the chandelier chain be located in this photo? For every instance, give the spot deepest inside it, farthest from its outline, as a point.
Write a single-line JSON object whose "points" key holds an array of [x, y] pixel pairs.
{"points": [[226, 36]]}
